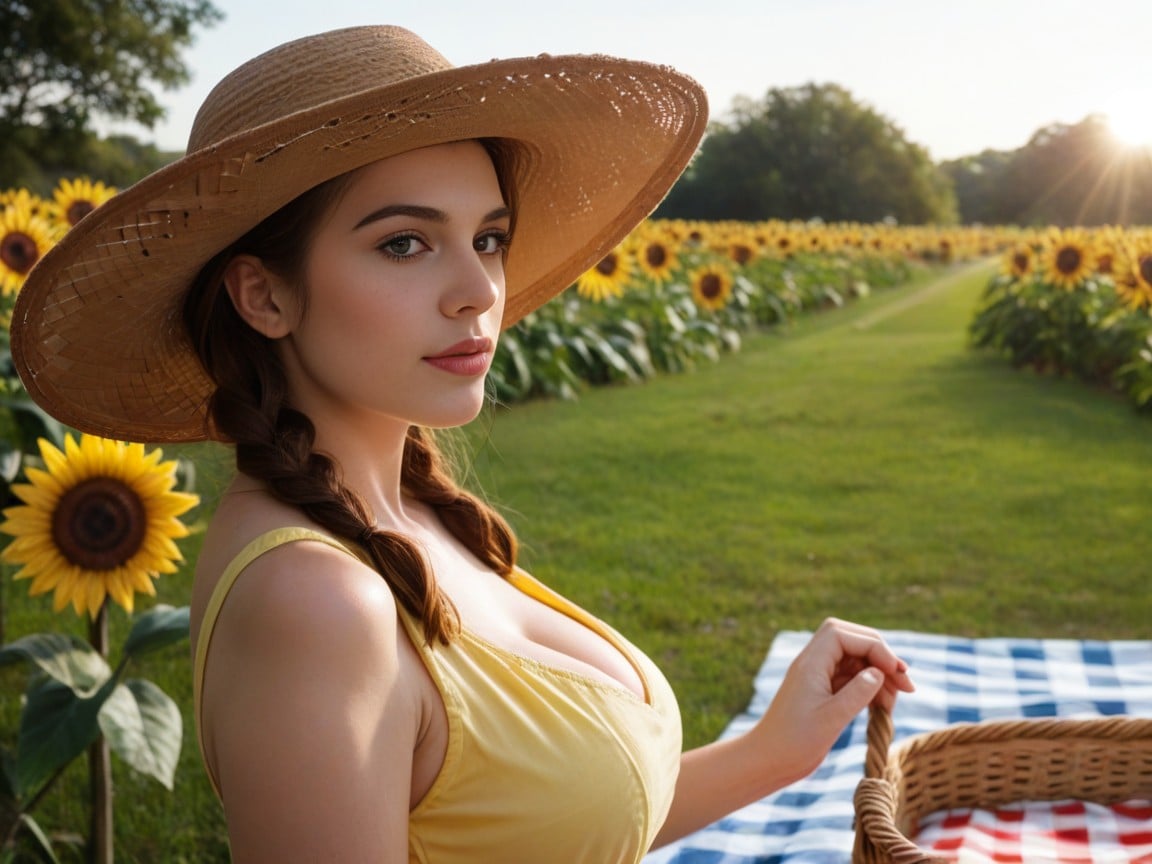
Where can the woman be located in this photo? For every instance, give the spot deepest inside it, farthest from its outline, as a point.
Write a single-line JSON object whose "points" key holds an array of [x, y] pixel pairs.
{"points": [[321, 282]]}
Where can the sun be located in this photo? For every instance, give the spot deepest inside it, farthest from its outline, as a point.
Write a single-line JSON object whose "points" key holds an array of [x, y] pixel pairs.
{"points": [[1131, 123]]}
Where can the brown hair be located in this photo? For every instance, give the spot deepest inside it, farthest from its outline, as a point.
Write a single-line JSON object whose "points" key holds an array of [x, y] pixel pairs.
{"points": [[274, 441]]}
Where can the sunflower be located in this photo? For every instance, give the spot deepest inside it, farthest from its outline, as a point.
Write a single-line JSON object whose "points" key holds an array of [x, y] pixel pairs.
{"points": [[25, 200], [711, 287], [1067, 258], [783, 242], [98, 521], [741, 250], [24, 238], [814, 238], [1019, 262], [1133, 275], [75, 199], [1107, 242], [656, 257], [606, 279]]}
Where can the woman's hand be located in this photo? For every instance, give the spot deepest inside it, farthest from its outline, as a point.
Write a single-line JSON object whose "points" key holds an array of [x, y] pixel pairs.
{"points": [[842, 669]]}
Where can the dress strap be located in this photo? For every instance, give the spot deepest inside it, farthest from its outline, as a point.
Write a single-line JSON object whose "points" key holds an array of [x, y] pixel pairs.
{"points": [[266, 542]]}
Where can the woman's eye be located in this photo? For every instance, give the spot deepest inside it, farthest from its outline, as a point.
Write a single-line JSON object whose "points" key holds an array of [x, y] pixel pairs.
{"points": [[402, 246], [492, 242]]}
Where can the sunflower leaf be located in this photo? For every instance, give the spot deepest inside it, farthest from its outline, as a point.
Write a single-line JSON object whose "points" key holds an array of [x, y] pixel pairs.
{"points": [[144, 727], [159, 627], [56, 726], [66, 659]]}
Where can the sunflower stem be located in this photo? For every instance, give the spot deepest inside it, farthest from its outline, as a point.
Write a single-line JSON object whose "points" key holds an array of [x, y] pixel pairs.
{"points": [[99, 765]]}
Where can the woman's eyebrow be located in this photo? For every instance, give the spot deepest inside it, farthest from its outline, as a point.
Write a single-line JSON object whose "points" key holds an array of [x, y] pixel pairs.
{"points": [[415, 211], [427, 214]]}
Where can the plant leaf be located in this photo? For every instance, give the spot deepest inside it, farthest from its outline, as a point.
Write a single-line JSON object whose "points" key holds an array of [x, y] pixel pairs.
{"points": [[56, 726], [64, 658], [144, 728], [157, 628]]}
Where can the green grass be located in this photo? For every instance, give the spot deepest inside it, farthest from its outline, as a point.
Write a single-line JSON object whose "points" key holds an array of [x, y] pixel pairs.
{"points": [[864, 463]]}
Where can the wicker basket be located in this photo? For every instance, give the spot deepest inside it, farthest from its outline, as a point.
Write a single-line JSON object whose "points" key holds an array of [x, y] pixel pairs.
{"points": [[984, 765]]}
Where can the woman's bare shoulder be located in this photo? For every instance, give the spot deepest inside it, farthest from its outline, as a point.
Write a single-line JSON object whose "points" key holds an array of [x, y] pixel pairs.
{"points": [[312, 706], [283, 571]]}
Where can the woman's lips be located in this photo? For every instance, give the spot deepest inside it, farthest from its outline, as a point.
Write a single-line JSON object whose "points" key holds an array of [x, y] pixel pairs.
{"points": [[470, 357]]}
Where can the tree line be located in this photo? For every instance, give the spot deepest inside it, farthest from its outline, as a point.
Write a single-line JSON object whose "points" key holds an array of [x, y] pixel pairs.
{"points": [[816, 152], [811, 152]]}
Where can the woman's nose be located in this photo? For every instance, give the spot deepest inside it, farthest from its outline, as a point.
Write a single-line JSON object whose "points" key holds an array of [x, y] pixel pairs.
{"points": [[476, 285]]}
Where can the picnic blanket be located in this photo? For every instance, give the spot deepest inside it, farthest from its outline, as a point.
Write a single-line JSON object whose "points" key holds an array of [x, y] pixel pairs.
{"points": [[957, 680]]}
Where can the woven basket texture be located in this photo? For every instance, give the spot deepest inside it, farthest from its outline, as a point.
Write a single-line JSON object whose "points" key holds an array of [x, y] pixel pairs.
{"points": [[984, 765]]}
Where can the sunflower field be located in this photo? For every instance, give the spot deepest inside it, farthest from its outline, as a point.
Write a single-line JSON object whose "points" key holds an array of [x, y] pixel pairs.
{"points": [[1075, 302], [677, 293]]}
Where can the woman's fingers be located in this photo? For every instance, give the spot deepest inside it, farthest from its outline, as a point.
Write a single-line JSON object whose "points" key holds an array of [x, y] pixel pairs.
{"points": [[851, 647]]}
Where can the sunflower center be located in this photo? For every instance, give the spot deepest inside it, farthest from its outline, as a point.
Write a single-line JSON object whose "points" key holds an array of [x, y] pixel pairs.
{"points": [[608, 264], [741, 254], [78, 210], [1068, 260], [711, 286], [99, 524], [655, 255], [1146, 269], [1020, 262], [18, 251]]}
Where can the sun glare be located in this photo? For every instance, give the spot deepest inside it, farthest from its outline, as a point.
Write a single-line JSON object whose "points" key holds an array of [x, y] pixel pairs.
{"points": [[1132, 125]]}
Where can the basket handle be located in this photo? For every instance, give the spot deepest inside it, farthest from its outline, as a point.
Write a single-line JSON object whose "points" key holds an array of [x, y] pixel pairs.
{"points": [[878, 840], [879, 737]]}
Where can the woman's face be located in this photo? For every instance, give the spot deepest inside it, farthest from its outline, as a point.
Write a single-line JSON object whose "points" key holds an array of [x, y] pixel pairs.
{"points": [[405, 293]]}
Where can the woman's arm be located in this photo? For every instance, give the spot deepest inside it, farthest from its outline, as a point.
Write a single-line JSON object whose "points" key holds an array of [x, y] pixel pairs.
{"points": [[840, 671], [311, 719]]}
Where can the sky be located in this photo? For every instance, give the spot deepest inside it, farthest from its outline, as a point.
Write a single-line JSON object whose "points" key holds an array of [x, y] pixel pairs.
{"points": [[956, 77]]}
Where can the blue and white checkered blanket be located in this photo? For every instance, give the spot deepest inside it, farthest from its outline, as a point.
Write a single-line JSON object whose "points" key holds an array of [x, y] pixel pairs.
{"points": [[957, 680]]}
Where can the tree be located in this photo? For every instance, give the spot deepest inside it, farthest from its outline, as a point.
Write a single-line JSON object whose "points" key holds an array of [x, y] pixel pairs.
{"points": [[978, 182], [1077, 174], [1067, 174], [811, 152], [65, 62]]}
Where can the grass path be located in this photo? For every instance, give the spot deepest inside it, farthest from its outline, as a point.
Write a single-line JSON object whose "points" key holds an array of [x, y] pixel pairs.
{"points": [[865, 463]]}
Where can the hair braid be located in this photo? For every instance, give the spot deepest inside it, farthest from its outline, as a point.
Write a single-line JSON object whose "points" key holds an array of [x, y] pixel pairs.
{"points": [[470, 520]]}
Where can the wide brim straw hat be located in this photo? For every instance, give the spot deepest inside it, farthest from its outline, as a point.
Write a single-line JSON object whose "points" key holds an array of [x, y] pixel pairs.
{"points": [[97, 332]]}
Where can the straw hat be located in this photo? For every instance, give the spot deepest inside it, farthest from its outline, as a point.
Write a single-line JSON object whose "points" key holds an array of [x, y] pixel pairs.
{"points": [[97, 336]]}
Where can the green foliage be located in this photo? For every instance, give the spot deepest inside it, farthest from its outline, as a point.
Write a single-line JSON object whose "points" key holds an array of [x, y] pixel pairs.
{"points": [[72, 697], [810, 152], [65, 62], [1085, 332]]}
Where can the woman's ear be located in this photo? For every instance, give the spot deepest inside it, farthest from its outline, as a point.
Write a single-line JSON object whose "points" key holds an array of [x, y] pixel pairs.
{"points": [[259, 296]]}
